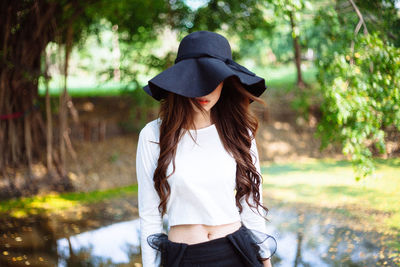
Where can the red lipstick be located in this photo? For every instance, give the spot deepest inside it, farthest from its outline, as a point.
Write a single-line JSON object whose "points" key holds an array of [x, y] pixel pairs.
{"points": [[202, 101]]}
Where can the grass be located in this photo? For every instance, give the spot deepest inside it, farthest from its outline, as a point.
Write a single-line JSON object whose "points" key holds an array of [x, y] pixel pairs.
{"points": [[85, 87], [22, 207], [283, 78], [330, 184]]}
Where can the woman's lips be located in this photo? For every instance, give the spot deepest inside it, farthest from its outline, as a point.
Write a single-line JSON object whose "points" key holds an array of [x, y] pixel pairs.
{"points": [[203, 101]]}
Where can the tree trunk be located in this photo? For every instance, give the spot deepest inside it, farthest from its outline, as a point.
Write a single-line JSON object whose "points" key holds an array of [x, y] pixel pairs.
{"points": [[297, 52], [26, 28], [49, 119], [24, 37]]}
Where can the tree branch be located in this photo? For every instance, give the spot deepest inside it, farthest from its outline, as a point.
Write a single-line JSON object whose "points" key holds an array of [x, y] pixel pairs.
{"points": [[359, 16]]}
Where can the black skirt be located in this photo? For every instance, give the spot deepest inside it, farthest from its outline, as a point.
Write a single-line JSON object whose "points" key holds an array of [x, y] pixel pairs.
{"points": [[242, 248]]}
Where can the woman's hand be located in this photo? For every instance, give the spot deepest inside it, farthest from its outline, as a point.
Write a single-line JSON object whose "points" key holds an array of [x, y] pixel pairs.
{"points": [[267, 263]]}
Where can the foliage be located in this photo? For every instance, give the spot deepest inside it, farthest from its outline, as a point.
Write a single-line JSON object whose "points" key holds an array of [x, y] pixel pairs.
{"points": [[357, 76], [380, 16], [361, 99], [335, 24], [244, 23], [288, 8], [235, 17]]}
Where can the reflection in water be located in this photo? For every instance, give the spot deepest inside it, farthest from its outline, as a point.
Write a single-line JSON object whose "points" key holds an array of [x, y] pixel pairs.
{"points": [[28, 241], [314, 239], [110, 242], [305, 238], [113, 244], [298, 260]]}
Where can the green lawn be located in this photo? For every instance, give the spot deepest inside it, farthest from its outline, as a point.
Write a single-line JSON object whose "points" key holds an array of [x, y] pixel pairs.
{"points": [[84, 87], [22, 207], [329, 184], [283, 78]]}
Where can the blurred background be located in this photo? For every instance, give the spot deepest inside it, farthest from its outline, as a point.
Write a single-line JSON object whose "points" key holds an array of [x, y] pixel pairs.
{"points": [[72, 105]]}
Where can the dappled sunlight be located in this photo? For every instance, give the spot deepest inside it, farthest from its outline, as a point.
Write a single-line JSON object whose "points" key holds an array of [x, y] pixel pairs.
{"points": [[58, 203], [283, 141]]}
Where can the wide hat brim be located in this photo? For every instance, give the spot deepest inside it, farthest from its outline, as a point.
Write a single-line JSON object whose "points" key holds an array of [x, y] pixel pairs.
{"points": [[196, 77]]}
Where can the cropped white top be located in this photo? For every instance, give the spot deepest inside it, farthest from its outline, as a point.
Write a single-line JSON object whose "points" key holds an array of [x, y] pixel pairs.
{"points": [[202, 186]]}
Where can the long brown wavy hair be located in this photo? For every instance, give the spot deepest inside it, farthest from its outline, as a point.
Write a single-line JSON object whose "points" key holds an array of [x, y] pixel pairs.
{"points": [[233, 120]]}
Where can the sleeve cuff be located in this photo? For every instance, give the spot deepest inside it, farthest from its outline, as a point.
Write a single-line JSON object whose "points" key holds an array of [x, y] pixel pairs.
{"points": [[265, 244]]}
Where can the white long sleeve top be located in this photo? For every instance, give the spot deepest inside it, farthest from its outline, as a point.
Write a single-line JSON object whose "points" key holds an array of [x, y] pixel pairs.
{"points": [[202, 187]]}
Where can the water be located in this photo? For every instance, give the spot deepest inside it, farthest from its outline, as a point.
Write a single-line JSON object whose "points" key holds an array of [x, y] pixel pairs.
{"points": [[110, 237], [305, 238], [111, 243]]}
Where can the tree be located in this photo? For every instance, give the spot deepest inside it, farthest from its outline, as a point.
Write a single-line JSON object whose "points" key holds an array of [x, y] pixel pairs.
{"points": [[291, 11], [26, 29], [359, 74]]}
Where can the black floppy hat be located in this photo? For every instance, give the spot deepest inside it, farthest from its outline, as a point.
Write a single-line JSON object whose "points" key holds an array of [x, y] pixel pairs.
{"points": [[204, 60]]}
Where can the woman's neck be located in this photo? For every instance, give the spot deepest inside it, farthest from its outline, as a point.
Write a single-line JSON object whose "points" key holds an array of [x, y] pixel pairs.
{"points": [[202, 120]]}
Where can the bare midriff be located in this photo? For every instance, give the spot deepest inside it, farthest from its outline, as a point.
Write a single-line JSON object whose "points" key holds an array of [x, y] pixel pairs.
{"points": [[198, 233]]}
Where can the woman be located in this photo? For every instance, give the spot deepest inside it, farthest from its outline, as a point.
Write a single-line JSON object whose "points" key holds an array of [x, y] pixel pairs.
{"points": [[198, 162]]}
